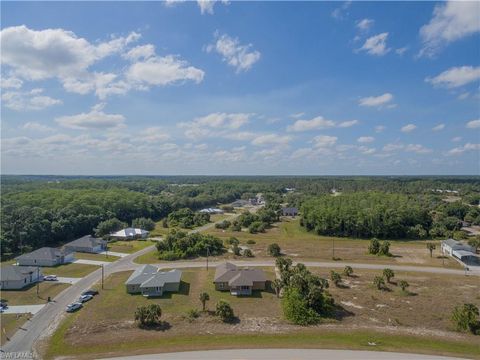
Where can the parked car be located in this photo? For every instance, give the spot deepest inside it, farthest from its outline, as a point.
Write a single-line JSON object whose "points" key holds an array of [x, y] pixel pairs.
{"points": [[74, 307], [90, 292], [50, 278], [85, 298]]}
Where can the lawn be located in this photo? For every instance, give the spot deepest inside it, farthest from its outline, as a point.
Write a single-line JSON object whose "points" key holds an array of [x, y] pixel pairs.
{"points": [[70, 270], [10, 324], [96, 257], [129, 247], [28, 295]]}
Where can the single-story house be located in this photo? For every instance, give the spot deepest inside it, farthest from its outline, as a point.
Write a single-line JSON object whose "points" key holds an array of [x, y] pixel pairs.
{"points": [[240, 203], [289, 211], [148, 281], [212, 211], [45, 256], [13, 277], [465, 256], [239, 281], [451, 245], [130, 234], [87, 244]]}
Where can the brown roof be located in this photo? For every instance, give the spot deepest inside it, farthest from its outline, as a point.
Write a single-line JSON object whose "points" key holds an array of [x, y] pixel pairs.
{"points": [[235, 276]]}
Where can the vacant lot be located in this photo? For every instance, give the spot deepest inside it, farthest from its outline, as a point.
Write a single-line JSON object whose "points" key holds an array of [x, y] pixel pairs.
{"points": [[10, 324], [389, 318], [70, 270], [28, 295], [130, 246]]}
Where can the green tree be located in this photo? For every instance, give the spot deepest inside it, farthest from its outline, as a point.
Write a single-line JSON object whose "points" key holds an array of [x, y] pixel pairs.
{"points": [[274, 250], [143, 223], [236, 250], [475, 242], [384, 249], [465, 318], [403, 285], [388, 274], [431, 247], [277, 285], [224, 311], [348, 271], [247, 253], [374, 246], [296, 309], [335, 277], [204, 297], [378, 282], [109, 226], [148, 315]]}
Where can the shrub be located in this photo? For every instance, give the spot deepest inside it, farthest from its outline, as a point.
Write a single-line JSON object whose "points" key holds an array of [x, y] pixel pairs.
{"points": [[385, 249], [224, 311], [236, 249], [378, 282], [233, 241], [465, 318], [296, 309], [192, 314], [274, 250], [403, 285], [236, 227], [335, 277], [247, 253], [225, 224], [251, 242], [348, 271], [388, 274], [374, 246], [148, 315], [143, 223], [256, 227]]}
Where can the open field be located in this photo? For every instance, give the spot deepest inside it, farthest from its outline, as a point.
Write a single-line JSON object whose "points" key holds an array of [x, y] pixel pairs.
{"points": [[130, 246], [70, 270], [388, 318], [28, 295], [10, 323], [298, 243], [96, 257]]}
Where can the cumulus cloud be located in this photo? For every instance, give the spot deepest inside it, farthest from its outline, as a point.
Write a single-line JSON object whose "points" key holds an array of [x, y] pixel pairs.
{"points": [[456, 77], [408, 128], [241, 57], [418, 149], [439, 127], [206, 6], [348, 123], [28, 100], [465, 148], [364, 24], [218, 125], [10, 83], [322, 141], [474, 124], [154, 134], [341, 12], [451, 21], [377, 101], [36, 126], [95, 119], [140, 52], [271, 139], [318, 123], [380, 128], [366, 139], [376, 45]]}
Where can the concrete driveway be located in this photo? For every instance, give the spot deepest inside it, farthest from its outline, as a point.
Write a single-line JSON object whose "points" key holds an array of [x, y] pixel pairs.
{"points": [[23, 309], [91, 262], [67, 280], [113, 253]]}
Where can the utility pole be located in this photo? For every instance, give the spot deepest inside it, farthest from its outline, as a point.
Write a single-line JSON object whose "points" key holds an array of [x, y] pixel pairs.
{"points": [[102, 276]]}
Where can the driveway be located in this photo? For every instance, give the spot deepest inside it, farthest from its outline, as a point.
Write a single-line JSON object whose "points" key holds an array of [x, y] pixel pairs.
{"points": [[23, 309], [113, 253], [68, 280], [284, 354], [91, 262]]}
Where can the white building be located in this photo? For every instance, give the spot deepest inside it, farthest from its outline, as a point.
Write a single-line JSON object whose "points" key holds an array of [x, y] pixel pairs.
{"points": [[130, 234]]}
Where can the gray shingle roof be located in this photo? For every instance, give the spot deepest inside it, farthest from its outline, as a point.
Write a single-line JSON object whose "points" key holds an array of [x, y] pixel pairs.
{"points": [[228, 272], [86, 241], [162, 278], [450, 242], [141, 275], [44, 253], [14, 272]]}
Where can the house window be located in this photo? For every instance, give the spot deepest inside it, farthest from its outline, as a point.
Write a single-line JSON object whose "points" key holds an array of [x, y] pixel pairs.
{"points": [[220, 285]]}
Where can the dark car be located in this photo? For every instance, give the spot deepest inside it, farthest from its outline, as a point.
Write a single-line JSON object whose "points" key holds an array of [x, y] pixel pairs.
{"points": [[90, 292]]}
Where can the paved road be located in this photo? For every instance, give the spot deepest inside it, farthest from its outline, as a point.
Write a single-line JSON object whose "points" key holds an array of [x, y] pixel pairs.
{"points": [[23, 309], [284, 354]]}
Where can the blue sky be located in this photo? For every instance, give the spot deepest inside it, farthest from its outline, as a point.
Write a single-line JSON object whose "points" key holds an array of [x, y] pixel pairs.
{"points": [[240, 87]]}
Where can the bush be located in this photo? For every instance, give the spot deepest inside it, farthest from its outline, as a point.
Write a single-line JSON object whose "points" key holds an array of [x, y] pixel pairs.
{"points": [[374, 246], [296, 309], [148, 315], [251, 242], [192, 314], [274, 250], [247, 253], [465, 318], [224, 311], [236, 227], [388, 274], [180, 245], [236, 249], [143, 223], [378, 282], [335, 277], [403, 285], [225, 224], [233, 241], [348, 271], [385, 249], [256, 227]]}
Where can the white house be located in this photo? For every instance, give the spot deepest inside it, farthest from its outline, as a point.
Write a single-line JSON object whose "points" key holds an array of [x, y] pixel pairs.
{"points": [[130, 234], [151, 282], [450, 246], [13, 277], [45, 256]]}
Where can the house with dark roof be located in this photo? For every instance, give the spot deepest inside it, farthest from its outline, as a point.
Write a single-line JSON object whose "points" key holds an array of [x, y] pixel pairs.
{"points": [[130, 234], [45, 256], [239, 281], [289, 211], [87, 244], [148, 281], [13, 277], [451, 246]]}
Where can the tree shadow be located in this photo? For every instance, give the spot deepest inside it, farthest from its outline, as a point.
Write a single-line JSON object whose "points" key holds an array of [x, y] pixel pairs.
{"points": [[340, 313], [162, 326], [342, 286]]}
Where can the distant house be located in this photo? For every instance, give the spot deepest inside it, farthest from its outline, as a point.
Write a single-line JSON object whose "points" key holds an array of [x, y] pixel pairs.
{"points": [[240, 203], [239, 281], [14, 277], [45, 256], [212, 211], [289, 211], [148, 281], [451, 247], [130, 234], [253, 201], [87, 244]]}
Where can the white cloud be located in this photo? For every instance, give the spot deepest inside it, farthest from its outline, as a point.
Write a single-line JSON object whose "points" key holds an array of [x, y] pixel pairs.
{"points": [[322, 141], [408, 128], [36, 126], [438, 127], [456, 77], [364, 24], [271, 139], [461, 149], [154, 134], [474, 124], [340, 12], [349, 123], [140, 52], [366, 139], [463, 96], [451, 21], [297, 115], [241, 57], [401, 51], [417, 148], [456, 139], [163, 71], [206, 6], [28, 100], [218, 125], [392, 147], [10, 83], [316, 123], [95, 119], [376, 101], [376, 45], [380, 128]]}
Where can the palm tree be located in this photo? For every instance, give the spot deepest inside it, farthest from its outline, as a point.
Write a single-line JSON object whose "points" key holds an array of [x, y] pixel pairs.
{"points": [[204, 297], [379, 282], [388, 273], [403, 284], [277, 286], [431, 247]]}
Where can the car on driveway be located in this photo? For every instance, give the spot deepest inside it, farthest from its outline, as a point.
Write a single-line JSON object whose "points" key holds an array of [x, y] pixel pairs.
{"points": [[85, 298], [74, 307], [50, 278], [90, 292]]}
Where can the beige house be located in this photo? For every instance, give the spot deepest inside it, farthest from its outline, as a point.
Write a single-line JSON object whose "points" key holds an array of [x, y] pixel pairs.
{"points": [[239, 281]]}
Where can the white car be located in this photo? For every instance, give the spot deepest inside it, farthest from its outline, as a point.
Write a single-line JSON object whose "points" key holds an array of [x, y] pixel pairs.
{"points": [[50, 278], [85, 298], [74, 306]]}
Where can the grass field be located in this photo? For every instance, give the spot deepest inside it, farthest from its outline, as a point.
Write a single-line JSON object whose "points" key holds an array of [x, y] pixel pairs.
{"points": [[70, 270], [28, 295], [10, 324], [391, 319], [96, 257], [129, 247]]}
